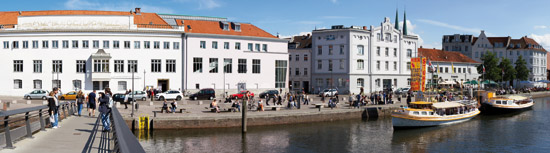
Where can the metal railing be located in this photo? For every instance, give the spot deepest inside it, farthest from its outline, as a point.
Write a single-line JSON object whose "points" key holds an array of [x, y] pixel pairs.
{"points": [[124, 140], [17, 123]]}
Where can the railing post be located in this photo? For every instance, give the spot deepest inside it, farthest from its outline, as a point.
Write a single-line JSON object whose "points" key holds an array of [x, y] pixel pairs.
{"points": [[64, 112], [42, 125], [9, 143], [70, 108], [28, 125]]}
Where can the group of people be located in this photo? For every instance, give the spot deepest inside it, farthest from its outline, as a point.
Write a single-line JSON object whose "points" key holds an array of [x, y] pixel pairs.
{"points": [[173, 106]]}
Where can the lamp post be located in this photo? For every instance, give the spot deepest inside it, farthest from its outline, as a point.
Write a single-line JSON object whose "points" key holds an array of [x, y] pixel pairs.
{"points": [[133, 91]]}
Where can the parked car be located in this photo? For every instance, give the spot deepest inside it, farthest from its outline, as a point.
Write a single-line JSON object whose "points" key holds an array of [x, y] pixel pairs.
{"points": [[119, 97], [36, 94], [240, 95], [68, 96], [139, 95], [401, 90], [328, 92], [207, 93], [170, 94], [271, 93]]}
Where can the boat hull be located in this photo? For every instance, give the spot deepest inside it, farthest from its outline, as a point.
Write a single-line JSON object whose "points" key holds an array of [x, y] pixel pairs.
{"points": [[400, 123], [490, 109]]}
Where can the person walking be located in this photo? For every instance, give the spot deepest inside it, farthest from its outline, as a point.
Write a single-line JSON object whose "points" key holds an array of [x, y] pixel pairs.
{"points": [[306, 100], [92, 100], [79, 101], [105, 103], [53, 105]]}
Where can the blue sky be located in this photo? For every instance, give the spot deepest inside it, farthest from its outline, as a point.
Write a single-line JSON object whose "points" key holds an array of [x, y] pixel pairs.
{"points": [[428, 19]]}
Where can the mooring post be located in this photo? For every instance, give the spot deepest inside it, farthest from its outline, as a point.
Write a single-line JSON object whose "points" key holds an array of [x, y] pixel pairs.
{"points": [[244, 115]]}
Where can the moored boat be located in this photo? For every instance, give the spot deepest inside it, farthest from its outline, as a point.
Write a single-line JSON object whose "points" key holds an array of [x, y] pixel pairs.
{"points": [[502, 104], [425, 114]]}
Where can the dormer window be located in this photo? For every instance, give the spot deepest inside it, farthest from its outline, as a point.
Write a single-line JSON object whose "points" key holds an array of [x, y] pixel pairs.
{"points": [[236, 26], [225, 26]]}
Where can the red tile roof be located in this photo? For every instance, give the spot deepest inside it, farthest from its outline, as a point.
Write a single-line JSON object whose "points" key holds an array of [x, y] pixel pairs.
{"points": [[524, 41], [214, 27], [444, 56], [503, 40]]}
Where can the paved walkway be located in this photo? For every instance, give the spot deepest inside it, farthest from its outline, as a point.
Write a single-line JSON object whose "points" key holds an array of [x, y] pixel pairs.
{"points": [[76, 134]]}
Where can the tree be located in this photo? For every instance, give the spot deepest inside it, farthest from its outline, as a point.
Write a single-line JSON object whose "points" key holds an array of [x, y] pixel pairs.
{"points": [[521, 69], [508, 70], [492, 71]]}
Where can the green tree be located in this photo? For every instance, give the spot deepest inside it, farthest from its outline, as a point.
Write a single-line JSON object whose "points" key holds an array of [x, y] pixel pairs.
{"points": [[508, 70], [492, 71], [521, 69]]}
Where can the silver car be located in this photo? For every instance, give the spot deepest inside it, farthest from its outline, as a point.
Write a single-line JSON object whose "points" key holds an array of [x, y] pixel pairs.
{"points": [[37, 94], [139, 95]]}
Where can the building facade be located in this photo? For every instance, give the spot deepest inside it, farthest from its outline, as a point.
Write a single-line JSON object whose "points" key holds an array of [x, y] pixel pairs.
{"points": [[450, 66], [351, 58], [299, 57]]}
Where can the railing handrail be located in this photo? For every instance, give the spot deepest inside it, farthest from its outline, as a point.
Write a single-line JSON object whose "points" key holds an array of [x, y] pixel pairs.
{"points": [[126, 141], [25, 110]]}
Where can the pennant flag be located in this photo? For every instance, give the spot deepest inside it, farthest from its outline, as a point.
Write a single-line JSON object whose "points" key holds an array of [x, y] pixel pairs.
{"points": [[452, 68], [438, 69], [483, 68]]}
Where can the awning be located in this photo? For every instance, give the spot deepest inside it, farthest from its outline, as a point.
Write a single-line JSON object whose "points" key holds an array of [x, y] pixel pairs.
{"points": [[488, 82], [446, 105], [472, 82], [544, 81]]}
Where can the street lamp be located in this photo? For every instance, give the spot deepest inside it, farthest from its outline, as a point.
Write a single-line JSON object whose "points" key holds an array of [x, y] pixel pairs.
{"points": [[133, 91]]}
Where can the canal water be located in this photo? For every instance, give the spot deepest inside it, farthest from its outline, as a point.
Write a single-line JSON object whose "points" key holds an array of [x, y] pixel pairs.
{"points": [[528, 131]]}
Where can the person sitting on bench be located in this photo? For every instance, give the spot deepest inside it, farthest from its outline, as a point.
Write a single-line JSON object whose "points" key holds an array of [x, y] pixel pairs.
{"points": [[237, 105], [164, 107], [215, 106], [260, 106], [174, 106]]}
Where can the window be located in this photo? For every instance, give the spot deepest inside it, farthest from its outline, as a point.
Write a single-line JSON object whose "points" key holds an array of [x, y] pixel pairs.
{"points": [[137, 44], [250, 47], [166, 45], [256, 66], [360, 82], [45, 44], [225, 45], [264, 47], [305, 57], [121, 85], [395, 82], [37, 66], [127, 44], [80, 66], [377, 82], [34, 44], [360, 50], [360, 64], [305, 71], [409, 53], [330, 49], [77, 85], [242, 66], [280, 73], [237, 46], [395, 66], [156, 65], [15, 44], [377, 51], [319, 50], [408, 81], [101, 65], [319, 64], [257, 47], [387, 65], [342, 64], [119, 66], [25, 44], [330, 65], [176, 45], [214, 45], [213, 65], [56, 83], [197, 65], [170, 65], [96, 43], [289, 57], [387, 52], [17, 84], [55, 44], [446, 70], [65, 43], [147, 44], [378, 65], [6, 44], [116, 44], [395, 52], [37, 84], [228, 65], [156, 44], [85, 44], [477, 54], [378, 36], [237, 27], [297, 72], [105, 44], [17, 65], [408, 66], [297, 57], [341, 49], [57, 66], [203, 44], [395, 38], [132, 66], [75, 43]]}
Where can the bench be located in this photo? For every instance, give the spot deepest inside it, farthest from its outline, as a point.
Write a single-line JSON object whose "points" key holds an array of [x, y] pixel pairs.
{"points": [[162, 111], [274, 108], [319, 105]]}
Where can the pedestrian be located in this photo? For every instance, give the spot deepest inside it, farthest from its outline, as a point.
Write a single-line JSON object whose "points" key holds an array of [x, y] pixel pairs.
{"points": [[53, 104], [267, 99], [105, 103], [323, 98], [279, 100], [174, 106], [91, 99], [306, 100], [79, 101]]}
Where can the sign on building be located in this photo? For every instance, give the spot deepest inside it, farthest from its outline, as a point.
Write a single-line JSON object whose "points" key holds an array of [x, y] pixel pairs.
{"points": [[418, 74]]}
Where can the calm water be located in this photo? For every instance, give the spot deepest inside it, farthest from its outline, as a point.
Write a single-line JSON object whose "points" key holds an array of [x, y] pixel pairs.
{"points": [[528, 131]]}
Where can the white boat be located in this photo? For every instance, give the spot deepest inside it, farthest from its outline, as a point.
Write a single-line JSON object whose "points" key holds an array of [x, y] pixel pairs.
{"points": [[502, 104], [425, 114]]}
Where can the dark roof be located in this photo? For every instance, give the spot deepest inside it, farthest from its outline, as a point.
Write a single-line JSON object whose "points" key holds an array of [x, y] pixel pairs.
{"points": [[301, 41], [444, 56]]}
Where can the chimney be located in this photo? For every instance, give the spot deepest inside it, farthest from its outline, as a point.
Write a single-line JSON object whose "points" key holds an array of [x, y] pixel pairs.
{"points": [[138, 11], [420, 46], [364, 27]]}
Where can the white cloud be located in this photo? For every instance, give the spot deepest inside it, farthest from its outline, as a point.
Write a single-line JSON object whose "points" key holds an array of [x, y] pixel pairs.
{"points": [[118, 6], [334, 1], [446, 25], [540, 27], [209, 4], [543, 40], [337, 17]]}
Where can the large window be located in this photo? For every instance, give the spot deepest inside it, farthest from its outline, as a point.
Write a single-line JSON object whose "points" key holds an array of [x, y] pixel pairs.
{"points": [[65, 43], [77, 85], [101, 65], [197, 65], [360, 64], [319, 50], [127, 44], [25, 44], [360, 50], [96, 43], [213, 65], [132, 66], [57, 66], [45, 44], [306, 58], [387, 66], [17, 84], [17, 65], [395, 52], [305, 71], [257, 48], [329, 65], [119, 66], [35, 44], [280, 73], [242, 66], [156, 44], [122, 86], [6, 44], [360, 82], [105, 43], [297, 57], [137, 44], [237, 46], [214, 45], [166, 45], [409, 53], [56, 83], [387, 52], [203, 44], [37, 66], [378, 65], [85, 44], [156, 65], [377, 51], [55, 44], [176, 45], [80, 66], [37, 84], [116, 44], [256, 66], [409, 66], [297, 71], [264, 47], [250, 46], [319, 64], [227, 65], [75, 44], [147, 44], [330, 49], [225, 45], [170, 65], [15, 44], [341, 49]]}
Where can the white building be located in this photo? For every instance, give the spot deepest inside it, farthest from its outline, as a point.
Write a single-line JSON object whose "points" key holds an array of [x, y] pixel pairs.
{"points": [[450, 66], [299, 50], [354, 57]]}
